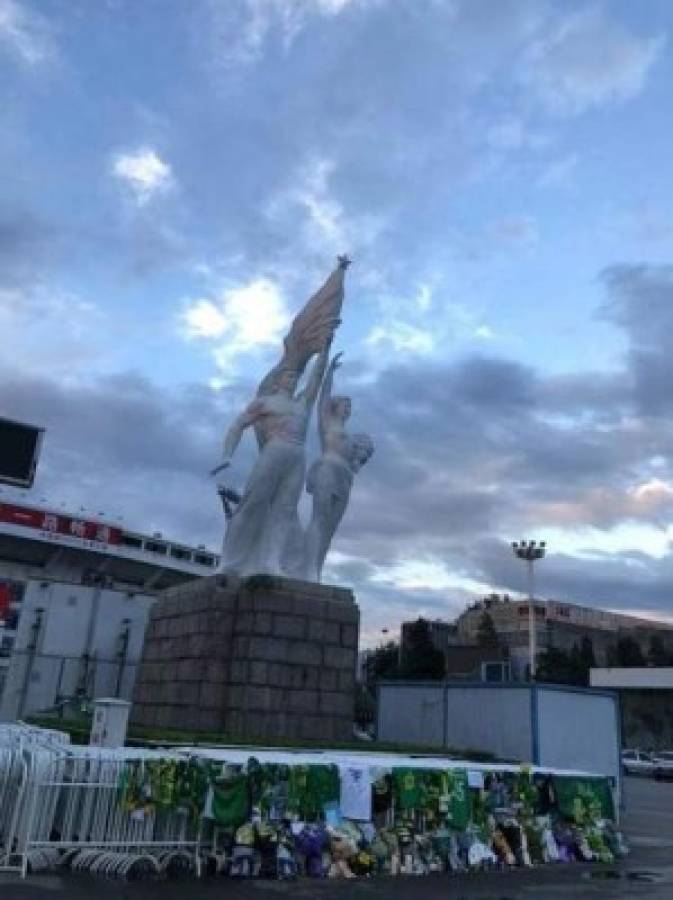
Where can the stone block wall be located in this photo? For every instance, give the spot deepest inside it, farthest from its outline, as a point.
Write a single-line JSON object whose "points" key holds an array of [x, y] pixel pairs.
{"points": [[261, 657]]}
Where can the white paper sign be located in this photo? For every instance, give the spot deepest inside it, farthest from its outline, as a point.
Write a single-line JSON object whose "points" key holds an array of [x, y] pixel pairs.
{"points": [[356, 794], [475, 778]]}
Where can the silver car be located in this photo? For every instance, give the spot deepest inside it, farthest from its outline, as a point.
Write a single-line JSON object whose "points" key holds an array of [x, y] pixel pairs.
{"points": [[663, 764], [637, 762]]}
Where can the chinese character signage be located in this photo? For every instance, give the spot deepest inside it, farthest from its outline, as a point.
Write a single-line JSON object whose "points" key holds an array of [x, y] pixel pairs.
{"points": [[54, 524]]}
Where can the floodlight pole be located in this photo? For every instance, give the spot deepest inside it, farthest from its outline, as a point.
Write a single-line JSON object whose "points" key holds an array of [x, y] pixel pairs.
{"points": [[529, 552]]}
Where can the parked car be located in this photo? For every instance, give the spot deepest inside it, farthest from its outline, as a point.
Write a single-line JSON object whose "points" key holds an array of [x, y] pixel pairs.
{"points": [[663, 764], [637, 762]]}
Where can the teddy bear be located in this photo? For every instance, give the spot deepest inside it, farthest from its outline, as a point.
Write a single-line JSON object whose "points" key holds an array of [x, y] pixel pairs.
{"points": [[342, 849]]}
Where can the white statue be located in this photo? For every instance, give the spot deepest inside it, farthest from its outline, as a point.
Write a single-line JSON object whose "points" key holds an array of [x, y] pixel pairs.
{"points": [[330, 477], [260, 527]]}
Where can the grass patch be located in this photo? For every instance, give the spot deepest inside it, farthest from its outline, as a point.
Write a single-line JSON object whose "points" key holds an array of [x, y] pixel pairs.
{"points": [[80, 728]]}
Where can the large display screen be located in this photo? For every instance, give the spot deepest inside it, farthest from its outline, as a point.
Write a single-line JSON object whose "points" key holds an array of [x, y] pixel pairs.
{"points": [[19, 452]]}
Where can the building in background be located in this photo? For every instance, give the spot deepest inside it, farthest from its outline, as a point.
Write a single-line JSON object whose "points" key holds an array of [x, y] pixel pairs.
{"points": [[75, 593], [500, 651], [559, 625], [442, 634], [464, 660]]}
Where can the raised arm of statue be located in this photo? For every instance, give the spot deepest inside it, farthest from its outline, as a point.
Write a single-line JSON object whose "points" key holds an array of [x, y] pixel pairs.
{"points": [[233, 436], [325, 401], [310, 392]]}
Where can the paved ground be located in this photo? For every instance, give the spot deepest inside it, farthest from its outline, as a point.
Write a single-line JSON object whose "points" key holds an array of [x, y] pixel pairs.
{"points": [[648, 824]]}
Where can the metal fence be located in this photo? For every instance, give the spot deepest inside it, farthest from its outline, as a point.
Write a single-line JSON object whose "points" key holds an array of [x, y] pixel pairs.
{"points": [[56, 798]]}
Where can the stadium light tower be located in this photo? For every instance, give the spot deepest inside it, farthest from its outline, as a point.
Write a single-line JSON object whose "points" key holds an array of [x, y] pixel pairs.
{"points": [[530, 552]]}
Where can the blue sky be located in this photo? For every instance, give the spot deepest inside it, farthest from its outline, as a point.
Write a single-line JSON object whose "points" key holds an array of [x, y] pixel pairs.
{"points": [[177, 177]]}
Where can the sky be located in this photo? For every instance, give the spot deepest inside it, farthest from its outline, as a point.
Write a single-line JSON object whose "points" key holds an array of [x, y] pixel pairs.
{"points": [[176, 179]]}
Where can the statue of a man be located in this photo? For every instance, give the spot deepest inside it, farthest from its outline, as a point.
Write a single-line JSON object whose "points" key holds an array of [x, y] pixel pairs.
{"points": [[259, 527], [330, 477]]}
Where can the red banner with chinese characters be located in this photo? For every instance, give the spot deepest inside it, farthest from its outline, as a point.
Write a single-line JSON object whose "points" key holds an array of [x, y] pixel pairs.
{"points": [[5, 600], [58, 524]]}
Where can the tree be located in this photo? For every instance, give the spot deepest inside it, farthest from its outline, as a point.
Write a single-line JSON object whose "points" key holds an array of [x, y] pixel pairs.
{"points": [[657, 654], [420, 658], [559, 667], [382, 664], [628, 652], [487, 636], [587, 658], [365, 706]]}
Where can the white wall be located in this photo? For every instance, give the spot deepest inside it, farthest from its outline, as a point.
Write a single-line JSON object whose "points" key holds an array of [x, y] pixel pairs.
{"points": [[412, 714], [76, 619], [553, 727], [637, 677], [494, 719], [579, 730]]}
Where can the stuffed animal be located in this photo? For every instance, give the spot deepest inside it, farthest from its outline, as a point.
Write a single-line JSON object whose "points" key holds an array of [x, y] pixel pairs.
{"points": [[311, 843], [393, 844], [363, 864], [456, 862], [502, 848], [534, 842], [381, 853], [480, 856], [286, 863], [266, 843], [422, 855], [342, 849], [405, 839], [441, 844], [549, 845], [582, 849], [515, 838], [565, 841], [245, 861]]}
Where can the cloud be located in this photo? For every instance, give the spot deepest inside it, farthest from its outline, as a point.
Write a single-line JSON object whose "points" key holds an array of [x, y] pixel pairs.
{"points": [[144, 173], [559, 172], [645, 222], [401, 337], [640, 301], [469, 453], [511, 133], [648, 502], [310, 210], [587, 59], [136, 449], [521, 230], [243, 29], [239, 320], [28, 244], [25, 33]]}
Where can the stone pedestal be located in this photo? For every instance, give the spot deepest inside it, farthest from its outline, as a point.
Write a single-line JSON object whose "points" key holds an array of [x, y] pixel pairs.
{"points": [[260, 657]]}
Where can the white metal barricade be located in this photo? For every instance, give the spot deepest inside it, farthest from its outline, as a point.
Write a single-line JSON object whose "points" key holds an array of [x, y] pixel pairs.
{"points": [[73, 803], [18, 744]]}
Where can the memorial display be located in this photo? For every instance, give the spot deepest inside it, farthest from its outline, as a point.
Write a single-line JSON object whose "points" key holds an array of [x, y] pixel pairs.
{"points": [[278, 814]]}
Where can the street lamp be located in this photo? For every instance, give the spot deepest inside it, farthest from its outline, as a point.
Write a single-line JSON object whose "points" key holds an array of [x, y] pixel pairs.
{"points": [[529, 552]]}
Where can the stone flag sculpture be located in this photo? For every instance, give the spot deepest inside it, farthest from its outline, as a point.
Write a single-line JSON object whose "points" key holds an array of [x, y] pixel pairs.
{"points": [[264, 534]]}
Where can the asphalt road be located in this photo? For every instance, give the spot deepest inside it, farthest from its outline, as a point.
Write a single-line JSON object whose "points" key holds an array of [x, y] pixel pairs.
{"points": [[647, 873]]}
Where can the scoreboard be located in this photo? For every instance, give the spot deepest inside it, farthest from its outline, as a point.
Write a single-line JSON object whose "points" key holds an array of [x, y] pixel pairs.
{"points": [[19, 452]]}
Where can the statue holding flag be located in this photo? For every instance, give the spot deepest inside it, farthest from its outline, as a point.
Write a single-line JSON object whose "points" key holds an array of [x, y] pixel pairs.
{"points": [[265, 519]]}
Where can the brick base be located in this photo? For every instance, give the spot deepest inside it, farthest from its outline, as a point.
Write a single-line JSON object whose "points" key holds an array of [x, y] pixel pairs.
{"points": [[260, 657]]}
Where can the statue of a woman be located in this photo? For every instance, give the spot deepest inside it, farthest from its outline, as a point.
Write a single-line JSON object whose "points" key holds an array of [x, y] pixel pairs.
{"points": [[258, 529], [265, 518], [330, 477]]}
